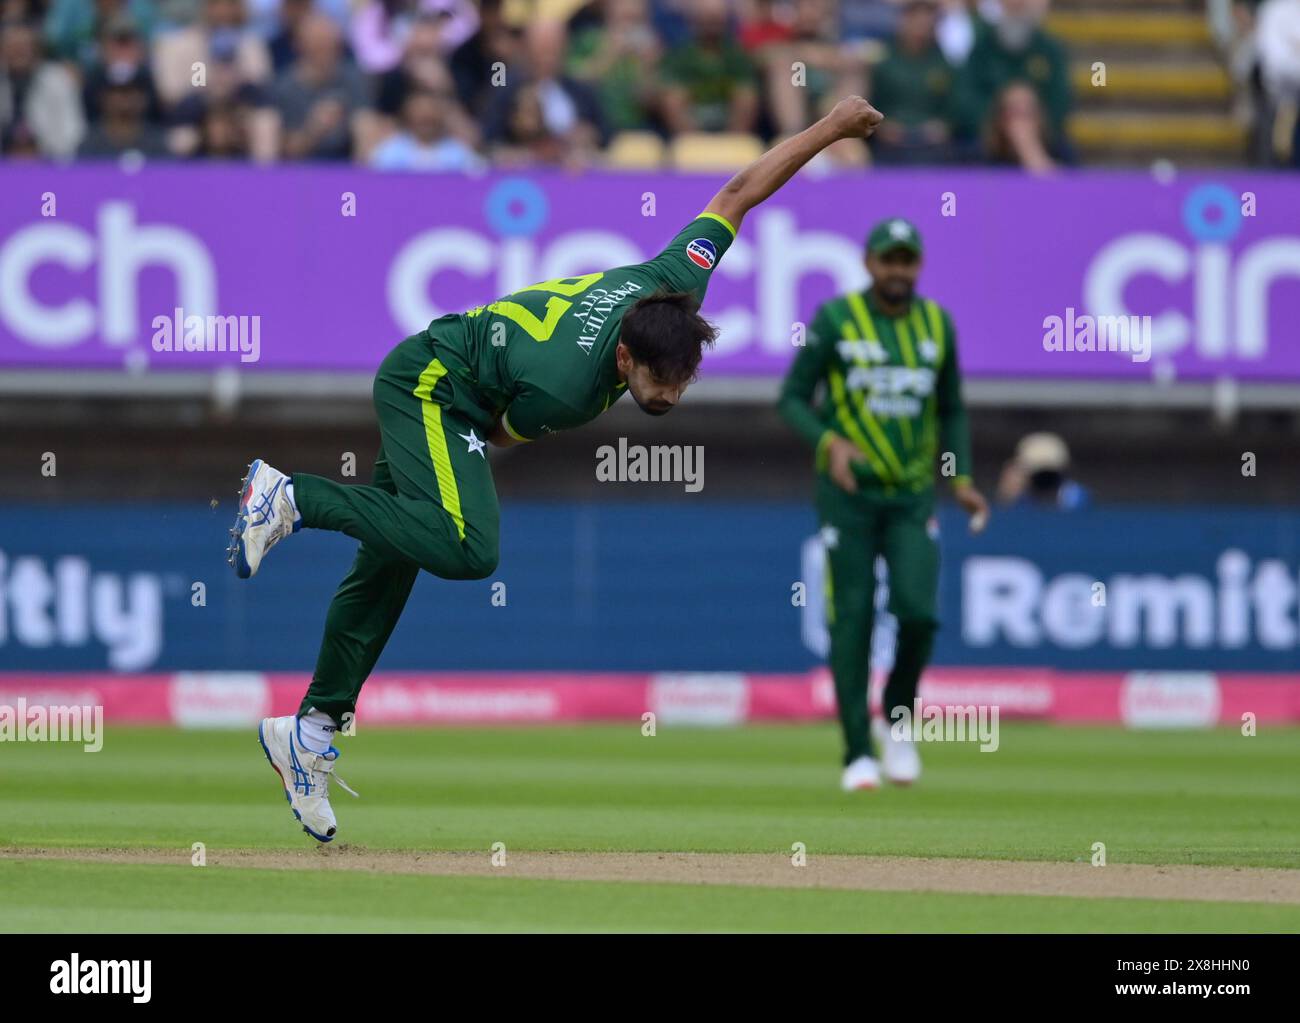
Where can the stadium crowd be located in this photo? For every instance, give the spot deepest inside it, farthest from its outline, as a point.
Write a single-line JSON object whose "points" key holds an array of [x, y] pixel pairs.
{"points": [[455, 84]]}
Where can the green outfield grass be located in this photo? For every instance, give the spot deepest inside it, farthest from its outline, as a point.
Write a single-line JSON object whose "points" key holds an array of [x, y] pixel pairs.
{"points": [[1049, 793]]}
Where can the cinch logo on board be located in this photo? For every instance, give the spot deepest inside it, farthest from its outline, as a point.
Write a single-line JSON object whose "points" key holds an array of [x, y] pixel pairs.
{"points": [[702, 252], [114, 257], [1230, 291]]}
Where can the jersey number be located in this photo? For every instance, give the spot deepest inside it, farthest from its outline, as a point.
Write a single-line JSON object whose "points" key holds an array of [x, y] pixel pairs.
{"points": [[540, 328]]}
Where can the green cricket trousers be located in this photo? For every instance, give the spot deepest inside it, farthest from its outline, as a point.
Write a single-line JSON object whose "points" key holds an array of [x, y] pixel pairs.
{"points": [[431, 505], [857, 528]]}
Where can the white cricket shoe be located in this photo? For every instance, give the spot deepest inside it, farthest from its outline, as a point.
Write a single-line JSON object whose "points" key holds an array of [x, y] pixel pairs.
{"points": [[863, 773], [304, 774], [899, 756], [266, 516]]}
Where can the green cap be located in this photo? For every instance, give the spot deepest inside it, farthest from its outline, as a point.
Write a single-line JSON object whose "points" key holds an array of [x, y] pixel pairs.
{"points": [[894, 233]]}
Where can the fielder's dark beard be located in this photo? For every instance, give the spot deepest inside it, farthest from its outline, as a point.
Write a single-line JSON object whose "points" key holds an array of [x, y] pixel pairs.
{"points": [[896, 292]]}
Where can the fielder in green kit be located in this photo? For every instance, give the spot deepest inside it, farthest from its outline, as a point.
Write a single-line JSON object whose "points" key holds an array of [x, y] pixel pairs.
{"points": [[891, 413], [549, 357]]}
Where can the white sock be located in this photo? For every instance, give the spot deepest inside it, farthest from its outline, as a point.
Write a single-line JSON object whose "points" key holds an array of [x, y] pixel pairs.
{"points": [[316, 730], [297, 515]]}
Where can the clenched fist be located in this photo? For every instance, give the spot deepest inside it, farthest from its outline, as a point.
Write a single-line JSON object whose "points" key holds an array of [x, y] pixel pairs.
{"points": [[854, 118]]}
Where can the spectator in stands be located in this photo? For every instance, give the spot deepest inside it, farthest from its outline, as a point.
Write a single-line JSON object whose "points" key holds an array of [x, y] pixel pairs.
{"points": [[525, 138], [380, 29], [711, 84], [867, 20], [958, 20], [228, 91], [39, 104], [122, 53], [425, 142], [124, 126], [570, 110], [223, 133], [321, 98], [1039, 475], [74, 28], [482, 61], [619, 59], [1017, 133], [1015, 48], [422, 70], [914, 83], [283, 45], [221, 34], [810, 73], [763, 23], [1277, 40]]}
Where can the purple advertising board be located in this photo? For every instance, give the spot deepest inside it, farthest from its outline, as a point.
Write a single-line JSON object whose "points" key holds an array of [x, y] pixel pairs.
{"points": [[326, 268]]}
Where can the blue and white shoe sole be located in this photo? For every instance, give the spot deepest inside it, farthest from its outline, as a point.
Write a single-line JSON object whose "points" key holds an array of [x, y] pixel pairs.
{"points": [[235, 552], [285, 788]]}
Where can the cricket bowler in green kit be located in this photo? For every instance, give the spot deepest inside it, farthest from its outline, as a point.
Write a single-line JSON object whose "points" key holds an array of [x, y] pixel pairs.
{"points": [[886, 359], [546, 358]]}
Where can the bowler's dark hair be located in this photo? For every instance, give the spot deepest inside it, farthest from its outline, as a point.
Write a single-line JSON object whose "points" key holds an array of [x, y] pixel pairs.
{"points": [[666, 332]]}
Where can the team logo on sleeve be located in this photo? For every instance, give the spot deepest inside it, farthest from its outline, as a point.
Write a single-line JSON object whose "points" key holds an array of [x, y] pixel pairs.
{"points": [[702, 252]]}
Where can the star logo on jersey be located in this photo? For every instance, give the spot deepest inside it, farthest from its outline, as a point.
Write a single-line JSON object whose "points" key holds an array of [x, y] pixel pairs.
{"points": [[474, 443], [929, 349], [830, 537]]}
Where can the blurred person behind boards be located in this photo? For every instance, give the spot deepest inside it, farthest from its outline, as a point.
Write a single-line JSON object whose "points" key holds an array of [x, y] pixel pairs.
{"points": [[123, 53], [39, 101], [764, 22], [380, 29], [124, 127], [1039, 475], [320, 96], [914, 83], [710, 84], [867, 19], [423, 69], [1016, 49], [223, 133], [74, 28], [958, 20], [425, 142], [891, 413], [619, 58], [1277, 40], [569, 110], [525, 139], [221, 33], [806, 76], [495, 47], [1017, 133], [249, 103]]}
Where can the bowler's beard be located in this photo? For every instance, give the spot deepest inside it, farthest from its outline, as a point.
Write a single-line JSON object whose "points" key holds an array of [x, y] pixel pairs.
{"points": [[652, 408]]}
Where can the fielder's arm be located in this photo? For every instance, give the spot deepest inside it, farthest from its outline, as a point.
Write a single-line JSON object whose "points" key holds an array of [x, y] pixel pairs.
{"points": [[853, 117]]}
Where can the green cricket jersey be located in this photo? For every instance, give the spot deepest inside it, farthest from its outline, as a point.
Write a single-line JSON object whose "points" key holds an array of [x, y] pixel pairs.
{"points": [[892, 387], [543, 357]]}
